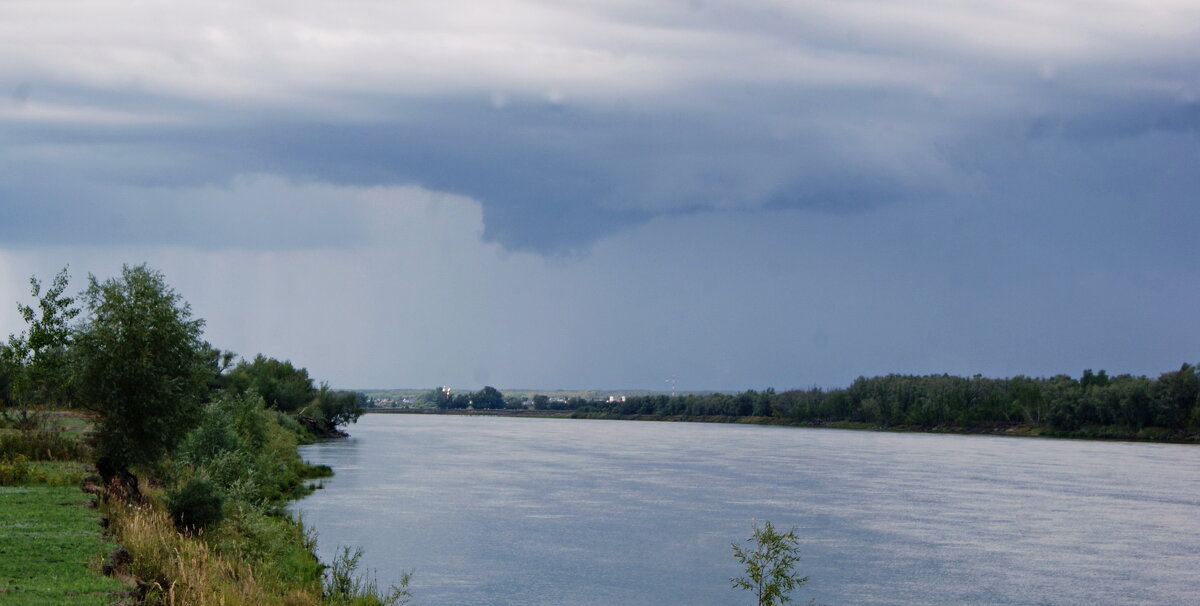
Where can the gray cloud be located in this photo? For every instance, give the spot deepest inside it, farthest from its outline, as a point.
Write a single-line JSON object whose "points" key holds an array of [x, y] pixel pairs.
{"points": [[745, 191]]}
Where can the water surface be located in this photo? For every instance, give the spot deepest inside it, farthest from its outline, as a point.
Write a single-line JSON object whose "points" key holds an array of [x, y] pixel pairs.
{"points": [[560, 512]]}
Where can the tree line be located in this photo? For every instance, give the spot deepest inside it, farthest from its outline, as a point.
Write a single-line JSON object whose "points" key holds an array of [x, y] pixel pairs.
{"points": [[1093, 403]]}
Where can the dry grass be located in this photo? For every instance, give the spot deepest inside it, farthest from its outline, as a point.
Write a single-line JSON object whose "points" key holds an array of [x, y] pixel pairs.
{"points": [[176, 569]]}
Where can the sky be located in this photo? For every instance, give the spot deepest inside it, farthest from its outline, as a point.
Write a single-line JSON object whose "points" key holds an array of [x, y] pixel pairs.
{"points": [[610, 194]]}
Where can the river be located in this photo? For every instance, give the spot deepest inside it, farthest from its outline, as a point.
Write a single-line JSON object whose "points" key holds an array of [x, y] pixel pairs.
{"points": [[562, 512]]}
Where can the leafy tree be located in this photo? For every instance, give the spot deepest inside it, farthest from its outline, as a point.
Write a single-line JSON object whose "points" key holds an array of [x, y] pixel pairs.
{"points": [[338, 407], [141, 366], [36, 361], [282, 385], [219, 363], [770, 560], [434, 397], [488, 397]]}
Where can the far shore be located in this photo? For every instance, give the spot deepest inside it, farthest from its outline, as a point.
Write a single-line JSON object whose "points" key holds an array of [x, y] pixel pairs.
{"points": [[483, 412]]}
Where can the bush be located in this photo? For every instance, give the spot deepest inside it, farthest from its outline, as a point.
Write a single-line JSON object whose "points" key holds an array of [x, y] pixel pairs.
{"points": [[278, 547], [14, 470], [195, 505], [42, 445], [345, 585]]}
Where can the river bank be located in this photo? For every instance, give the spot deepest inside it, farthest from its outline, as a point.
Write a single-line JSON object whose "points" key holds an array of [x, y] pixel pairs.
{"points": [[72, 539]]}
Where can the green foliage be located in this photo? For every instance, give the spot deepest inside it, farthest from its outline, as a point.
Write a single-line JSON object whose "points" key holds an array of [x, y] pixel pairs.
{"points": [[141, 366], [437, 397], [14, 469], [488, 397], [337, 407], [195, 505], [281, 385], [1096, 405], [769, 559], [289, 423], [9, 369], [279, 546], [227, 466], [59, 473], [344, 585], [35, 363], [244, 450], [47, 444]]}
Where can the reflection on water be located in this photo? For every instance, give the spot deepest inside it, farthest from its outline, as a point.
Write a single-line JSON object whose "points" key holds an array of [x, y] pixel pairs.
{"points": [[556, 512]]}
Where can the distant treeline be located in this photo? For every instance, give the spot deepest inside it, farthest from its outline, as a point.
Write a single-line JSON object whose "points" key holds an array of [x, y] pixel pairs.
{"points": [[490, 398], [1094, 404]]}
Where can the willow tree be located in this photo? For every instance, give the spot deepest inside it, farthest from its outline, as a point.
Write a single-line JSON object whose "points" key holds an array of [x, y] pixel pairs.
{"points": [[770, 559], [141, 366]]}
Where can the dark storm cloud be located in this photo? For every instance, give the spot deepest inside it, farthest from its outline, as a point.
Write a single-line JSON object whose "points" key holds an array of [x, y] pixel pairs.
{"points": [[737, 193], [568, 121], [551, 176]]}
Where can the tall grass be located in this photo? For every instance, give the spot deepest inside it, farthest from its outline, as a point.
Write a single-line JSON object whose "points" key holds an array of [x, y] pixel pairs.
{"points": [[42, 445], [177, 569], [216, 531]]}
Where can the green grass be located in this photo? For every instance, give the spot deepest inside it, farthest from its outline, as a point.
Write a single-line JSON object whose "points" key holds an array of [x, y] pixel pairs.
{"points": [[60, 473], [52, 548]]}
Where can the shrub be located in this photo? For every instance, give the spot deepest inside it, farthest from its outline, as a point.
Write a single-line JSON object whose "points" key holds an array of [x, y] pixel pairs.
{"points": [[213, 436], [345, 585], [14, 470], [195, 505], [42, 445]]}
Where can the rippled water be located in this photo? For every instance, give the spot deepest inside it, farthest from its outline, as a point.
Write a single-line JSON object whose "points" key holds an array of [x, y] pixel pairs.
{"points": [[556, 512]]}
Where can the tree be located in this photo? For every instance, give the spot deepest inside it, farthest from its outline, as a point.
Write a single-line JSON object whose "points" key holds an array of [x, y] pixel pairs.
{"points": [[770, 561], [36, 360], [338, 407], [488, 397], [141, 366], [282, 385], [438, 397]]}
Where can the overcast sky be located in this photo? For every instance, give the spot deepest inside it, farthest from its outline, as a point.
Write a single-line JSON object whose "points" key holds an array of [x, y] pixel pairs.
{"points": [[610, 193]]}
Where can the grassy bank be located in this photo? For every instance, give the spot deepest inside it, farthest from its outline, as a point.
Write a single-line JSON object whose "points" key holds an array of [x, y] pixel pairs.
{"points": [[63, 544], [53, 548]]}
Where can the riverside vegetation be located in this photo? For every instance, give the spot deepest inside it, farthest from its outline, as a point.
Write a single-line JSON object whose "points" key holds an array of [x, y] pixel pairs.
{"points": [[189, 459], [1095, 405]]}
